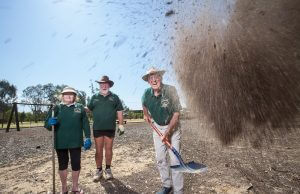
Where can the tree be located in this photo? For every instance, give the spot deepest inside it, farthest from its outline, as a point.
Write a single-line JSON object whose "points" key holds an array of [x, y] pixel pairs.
{"points": [[126, 108], [22, 117], [7, 95], [7, 92], [93, 90], [81, 97], [35, 95], [51, 93]]}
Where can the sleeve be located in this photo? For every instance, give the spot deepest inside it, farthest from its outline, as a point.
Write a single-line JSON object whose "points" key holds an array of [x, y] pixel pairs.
{"points": [[49, 115], [91, 103], [119, 104], [86, 124], [175, 99], [144, 99]]}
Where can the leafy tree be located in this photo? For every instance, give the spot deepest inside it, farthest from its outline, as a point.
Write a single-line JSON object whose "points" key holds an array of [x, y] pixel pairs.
{"points": [[92, 87], [51, 93], [82, 97], [22, 117], [35, 95], [7, 95]]}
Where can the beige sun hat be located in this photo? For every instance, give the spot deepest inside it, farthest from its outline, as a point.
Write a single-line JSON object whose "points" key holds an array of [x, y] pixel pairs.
{"points": [[105, 79], [152, 71], [69, 89]]}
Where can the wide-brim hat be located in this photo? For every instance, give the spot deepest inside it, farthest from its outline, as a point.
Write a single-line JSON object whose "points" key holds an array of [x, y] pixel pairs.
{"points": [[105, 79], [69, 89], [152, 71]]}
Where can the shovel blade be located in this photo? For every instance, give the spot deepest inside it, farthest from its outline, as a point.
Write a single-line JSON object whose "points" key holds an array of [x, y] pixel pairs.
{"points": [[191, 167]]}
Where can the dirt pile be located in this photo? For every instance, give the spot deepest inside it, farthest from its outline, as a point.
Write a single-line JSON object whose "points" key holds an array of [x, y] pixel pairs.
{"points": [[240, 66]]}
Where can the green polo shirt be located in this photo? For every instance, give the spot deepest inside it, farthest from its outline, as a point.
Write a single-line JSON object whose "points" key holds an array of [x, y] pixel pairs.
{"points": [[104, 110], [72, 122], [163, 106]]}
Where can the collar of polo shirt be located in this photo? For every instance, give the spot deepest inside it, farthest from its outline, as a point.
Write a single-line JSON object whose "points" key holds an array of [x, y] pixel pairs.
{"points": [[160, 92], [68, 105], [109, 93]]}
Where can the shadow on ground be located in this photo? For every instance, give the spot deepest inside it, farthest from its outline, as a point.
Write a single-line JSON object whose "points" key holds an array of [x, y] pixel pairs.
{"points": [[116, 186]]}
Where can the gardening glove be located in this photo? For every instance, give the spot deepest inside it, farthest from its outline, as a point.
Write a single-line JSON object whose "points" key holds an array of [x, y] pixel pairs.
{"points": [[121, 130], [87, 144], [52, 121]]}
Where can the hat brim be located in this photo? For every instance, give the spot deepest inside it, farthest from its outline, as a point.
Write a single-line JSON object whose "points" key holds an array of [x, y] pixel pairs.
{"points": [[145, 77], [70, 91], [111, 83]]}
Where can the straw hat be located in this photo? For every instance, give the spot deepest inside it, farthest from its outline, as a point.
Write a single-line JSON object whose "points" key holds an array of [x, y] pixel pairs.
{"points": [[69, 89], [105, 79], [152, 71]]}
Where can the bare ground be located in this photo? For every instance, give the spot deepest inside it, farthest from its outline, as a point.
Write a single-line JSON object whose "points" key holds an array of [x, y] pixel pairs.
{"points": [[273, 168]]}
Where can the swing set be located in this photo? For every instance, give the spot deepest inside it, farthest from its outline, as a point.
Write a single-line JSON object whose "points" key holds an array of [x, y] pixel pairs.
{"points": [[14, 111]]}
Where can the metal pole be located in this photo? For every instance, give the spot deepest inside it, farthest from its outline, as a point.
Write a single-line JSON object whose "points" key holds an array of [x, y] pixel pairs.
{"points": [[3, 118], [53, 153], [10, 117], [17, 117]]}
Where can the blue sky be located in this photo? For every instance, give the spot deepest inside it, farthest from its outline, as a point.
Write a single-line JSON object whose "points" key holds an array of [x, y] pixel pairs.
{"points": [[72, 42], [75, 41]]}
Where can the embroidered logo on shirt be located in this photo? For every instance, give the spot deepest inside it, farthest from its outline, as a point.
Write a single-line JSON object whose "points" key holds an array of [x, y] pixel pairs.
{"points": [[77, 110], [111, 98], [164, 102]]}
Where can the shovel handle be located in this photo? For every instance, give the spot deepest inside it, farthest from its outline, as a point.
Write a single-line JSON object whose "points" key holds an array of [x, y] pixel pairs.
{"points": [[160, 134]]}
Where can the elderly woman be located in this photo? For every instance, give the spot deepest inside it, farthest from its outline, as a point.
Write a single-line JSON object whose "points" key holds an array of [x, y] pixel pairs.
{"points": [[70, 121]]}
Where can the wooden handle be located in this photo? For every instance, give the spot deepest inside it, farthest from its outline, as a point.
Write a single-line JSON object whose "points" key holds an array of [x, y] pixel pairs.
{"points": [[160, 134], [53, 154]]}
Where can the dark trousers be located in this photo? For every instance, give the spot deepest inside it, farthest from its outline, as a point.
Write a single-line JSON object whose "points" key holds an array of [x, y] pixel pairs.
{"points": [[63, 158]]}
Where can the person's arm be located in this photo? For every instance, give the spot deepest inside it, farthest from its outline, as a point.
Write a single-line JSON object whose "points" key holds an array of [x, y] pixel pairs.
{"points": [[49, 117], [86, 125], [176, 106], [120, 117], [147, 117], [169, 132]]}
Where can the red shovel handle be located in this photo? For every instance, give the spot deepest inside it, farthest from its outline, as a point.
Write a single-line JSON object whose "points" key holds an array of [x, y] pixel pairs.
{"points": [[160, 134]]}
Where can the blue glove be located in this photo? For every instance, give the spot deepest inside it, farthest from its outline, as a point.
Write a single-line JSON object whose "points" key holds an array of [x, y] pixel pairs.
{"points": [[52, 121], [87, 144]]}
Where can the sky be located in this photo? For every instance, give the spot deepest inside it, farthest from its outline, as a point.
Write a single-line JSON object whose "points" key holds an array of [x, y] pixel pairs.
{"points": [[75, 42]]}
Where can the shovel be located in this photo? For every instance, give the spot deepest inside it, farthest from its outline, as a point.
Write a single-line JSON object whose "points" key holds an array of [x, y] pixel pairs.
{"points": [[190, 167]]}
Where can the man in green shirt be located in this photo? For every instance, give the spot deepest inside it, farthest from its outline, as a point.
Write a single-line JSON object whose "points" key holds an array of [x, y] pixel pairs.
{"points": [[105, 106], [161, 105]]}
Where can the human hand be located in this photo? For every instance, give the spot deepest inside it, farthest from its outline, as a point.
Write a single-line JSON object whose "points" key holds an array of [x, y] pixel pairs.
{"points": [[121, 130], [87, 144], [52, 121], [167, 136]]}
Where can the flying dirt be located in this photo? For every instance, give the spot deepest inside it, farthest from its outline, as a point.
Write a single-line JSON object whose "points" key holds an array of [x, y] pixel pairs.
{"points": [[239, 65]]}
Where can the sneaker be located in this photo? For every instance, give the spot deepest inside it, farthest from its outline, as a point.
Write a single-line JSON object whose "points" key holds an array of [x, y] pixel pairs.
{"points": [[108, 174], [165, 190], [98, 175]]}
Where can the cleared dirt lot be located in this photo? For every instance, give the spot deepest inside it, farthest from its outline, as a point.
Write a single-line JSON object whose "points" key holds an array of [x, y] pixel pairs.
{"points": [[274, 168]]}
